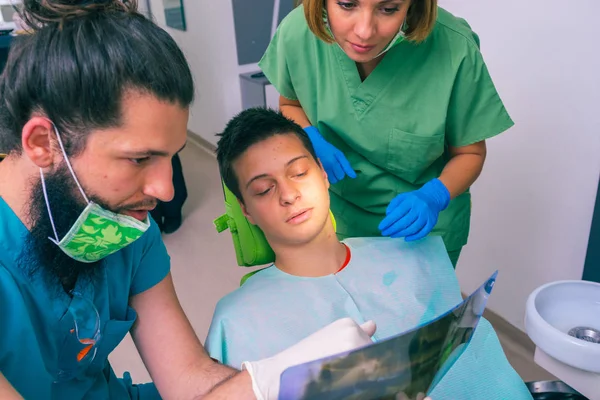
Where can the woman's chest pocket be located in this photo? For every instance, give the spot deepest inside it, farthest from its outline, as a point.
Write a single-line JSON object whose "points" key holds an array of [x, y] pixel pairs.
{"points": [[409, 155]]}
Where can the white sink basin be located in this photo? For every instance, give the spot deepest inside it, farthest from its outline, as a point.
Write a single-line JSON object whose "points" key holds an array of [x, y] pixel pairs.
{"points": [[555, 309]]}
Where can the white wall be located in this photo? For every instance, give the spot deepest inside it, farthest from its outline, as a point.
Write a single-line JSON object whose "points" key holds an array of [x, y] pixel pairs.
{"points": [[209, 45], [143, 7], [532, 206]]}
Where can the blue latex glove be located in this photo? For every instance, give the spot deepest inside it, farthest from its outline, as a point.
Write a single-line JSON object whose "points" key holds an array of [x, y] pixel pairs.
{"points": [[334, 161], [413, 215]]}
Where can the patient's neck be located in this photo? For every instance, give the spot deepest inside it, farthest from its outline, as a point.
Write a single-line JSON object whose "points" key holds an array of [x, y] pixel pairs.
{"points": [[322, 256]]}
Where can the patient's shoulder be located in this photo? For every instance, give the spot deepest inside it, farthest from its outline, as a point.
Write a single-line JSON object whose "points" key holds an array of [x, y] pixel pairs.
{"points": [[431, 247], [384, 244], [249, 294]]}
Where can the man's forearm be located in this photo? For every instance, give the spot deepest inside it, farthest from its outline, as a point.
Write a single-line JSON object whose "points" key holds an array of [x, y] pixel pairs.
{"points": [[236, 386], [7, 392], [209, 377]]}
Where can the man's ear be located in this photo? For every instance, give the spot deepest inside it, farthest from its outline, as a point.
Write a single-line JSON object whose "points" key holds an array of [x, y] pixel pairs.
{"points": [[245, 211], [36, 139], [324, 174]]}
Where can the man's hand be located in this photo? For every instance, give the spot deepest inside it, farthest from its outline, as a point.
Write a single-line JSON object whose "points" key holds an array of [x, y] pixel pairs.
{"points": [[340, 336]]}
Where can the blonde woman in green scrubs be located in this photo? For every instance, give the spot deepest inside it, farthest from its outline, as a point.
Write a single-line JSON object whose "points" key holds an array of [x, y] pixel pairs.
{"points": [[398, 102]]}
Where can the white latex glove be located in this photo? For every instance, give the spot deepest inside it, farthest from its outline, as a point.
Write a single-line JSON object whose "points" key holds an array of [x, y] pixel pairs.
{"points": [[338, 337]]}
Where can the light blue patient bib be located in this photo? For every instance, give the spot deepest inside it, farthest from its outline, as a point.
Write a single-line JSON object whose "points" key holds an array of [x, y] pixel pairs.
{"points": [[397, 284]]}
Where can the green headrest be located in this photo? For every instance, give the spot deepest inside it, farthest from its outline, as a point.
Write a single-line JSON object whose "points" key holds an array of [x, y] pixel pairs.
{"points": [[251, 246]]}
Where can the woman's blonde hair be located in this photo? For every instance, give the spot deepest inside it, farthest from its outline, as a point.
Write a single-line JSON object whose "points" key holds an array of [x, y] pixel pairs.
{"points": [[420, 19]]}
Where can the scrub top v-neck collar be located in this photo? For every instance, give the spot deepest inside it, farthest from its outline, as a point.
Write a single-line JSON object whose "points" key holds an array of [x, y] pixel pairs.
{"points": [[14, 235], [365, 92]]}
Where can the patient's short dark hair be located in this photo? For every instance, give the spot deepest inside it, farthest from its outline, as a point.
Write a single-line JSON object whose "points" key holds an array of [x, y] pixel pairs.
{"points": [[248, 128]]}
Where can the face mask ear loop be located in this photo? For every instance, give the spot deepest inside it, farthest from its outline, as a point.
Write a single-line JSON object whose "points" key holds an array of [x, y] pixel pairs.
{"points": [[69, 163], [48, 206], [401, 33]]}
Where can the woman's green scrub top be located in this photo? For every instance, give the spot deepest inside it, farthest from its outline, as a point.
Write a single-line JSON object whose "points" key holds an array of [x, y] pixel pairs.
{"points": [[396, 125], [34, 323]]}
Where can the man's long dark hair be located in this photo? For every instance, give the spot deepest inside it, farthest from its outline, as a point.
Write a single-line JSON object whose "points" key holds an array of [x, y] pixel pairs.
{"points": [[77, 63]]}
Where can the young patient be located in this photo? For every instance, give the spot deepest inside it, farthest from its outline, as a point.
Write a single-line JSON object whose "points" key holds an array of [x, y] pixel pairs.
{"points": [[268, 162]]}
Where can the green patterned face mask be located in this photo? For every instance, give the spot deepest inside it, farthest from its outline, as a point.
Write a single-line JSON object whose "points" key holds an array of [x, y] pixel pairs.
{"points": [[399, 38], [97, 233]]}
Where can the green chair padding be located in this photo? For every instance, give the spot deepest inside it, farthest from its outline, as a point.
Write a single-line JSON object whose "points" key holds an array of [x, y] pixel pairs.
{"points": [[251, 246]]}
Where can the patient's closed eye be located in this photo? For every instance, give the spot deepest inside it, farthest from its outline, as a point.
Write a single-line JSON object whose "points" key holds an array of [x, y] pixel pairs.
{"points": [[262, 191]]}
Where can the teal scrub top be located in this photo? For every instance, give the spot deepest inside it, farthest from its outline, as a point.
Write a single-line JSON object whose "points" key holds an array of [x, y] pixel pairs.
{"points": [[33, 330], [396, 125]]}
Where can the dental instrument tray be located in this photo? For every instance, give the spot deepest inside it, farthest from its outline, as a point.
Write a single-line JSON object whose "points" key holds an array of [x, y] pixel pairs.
{"points": [[409, 363]]}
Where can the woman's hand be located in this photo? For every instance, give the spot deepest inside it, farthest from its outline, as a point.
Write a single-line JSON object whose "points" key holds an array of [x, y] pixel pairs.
{"points": [[413, 215], [334, 161]]}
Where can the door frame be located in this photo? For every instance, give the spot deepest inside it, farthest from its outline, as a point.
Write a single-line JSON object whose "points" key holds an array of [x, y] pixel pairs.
{"points": [[591, 269]]}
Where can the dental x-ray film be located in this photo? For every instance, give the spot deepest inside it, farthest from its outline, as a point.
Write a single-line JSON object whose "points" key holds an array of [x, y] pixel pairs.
{"points": [[407, 365]]}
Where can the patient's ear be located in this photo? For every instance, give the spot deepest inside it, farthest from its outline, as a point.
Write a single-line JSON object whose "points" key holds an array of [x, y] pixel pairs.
{"points": [[245, 211]]}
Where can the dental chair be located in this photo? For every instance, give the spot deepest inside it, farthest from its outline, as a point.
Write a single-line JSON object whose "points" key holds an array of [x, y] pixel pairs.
{"points": [[252, 250]]}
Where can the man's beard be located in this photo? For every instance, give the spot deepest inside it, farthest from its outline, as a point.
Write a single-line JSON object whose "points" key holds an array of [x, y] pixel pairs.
{"points": [[42, 255]]}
